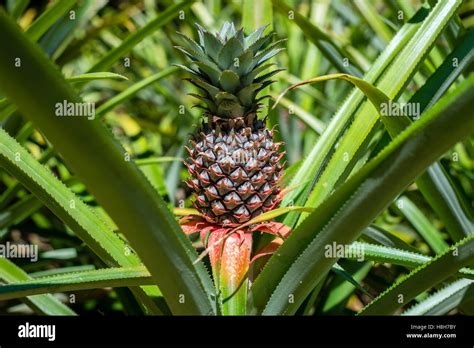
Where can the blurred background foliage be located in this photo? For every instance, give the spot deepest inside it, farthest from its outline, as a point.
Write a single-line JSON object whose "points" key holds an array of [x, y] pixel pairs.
{"points": [[151, 114]]}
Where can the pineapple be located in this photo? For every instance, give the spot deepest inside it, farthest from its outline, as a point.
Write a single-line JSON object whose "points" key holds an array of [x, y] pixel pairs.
{"points": [[234, 163]]}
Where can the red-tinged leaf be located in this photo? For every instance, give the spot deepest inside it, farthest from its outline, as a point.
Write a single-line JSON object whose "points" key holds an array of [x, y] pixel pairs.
{"points": [[203, 234], [272, 214], [189, 229], [229, 251], [192, 226], [234, 266], [272, 227], [190, 218], [216, 238], [275, 228], [268, 249]]}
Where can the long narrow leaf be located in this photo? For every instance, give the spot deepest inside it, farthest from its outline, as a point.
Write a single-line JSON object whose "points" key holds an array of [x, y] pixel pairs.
{"points": [[74, 281], [44, 304]]}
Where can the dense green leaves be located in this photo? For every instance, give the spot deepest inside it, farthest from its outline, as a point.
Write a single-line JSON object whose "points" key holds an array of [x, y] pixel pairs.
{"points": [[143, 217], [332, 51], [391, 83], [442, 301], [132, 90], [422, 224], [322, 151], [89, 227], [436, 185], [431, 273], [48, 18], [112, 56], [300, 263], [64, 203]]}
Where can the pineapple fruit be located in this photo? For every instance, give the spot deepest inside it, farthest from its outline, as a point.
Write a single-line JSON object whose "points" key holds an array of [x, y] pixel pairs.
{"points": [[234, 163]]}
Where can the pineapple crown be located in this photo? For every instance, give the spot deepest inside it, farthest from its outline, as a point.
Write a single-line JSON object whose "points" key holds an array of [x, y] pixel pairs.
{"points": [[228, 69]]}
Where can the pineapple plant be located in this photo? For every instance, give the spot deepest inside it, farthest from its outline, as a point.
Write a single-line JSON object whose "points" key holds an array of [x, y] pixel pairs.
{"points": [[399, 188], [234, 164]]}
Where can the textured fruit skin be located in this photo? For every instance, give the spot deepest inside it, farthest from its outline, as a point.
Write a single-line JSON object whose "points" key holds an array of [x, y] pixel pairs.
{"points": [[234, 172]]}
